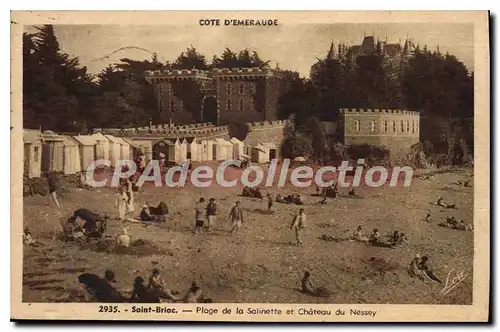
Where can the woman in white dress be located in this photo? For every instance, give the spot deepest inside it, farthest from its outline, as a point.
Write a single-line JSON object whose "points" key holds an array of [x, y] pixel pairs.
{"points": [[122, 202], [130, 194]]}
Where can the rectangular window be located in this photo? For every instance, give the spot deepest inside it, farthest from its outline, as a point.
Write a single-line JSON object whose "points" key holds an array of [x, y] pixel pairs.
{"points": [[385, 127], [372, 126], [160, 104], [242, 105], [242, 88], [407, 126], [413, 127], [402, 127], [394, 126], [35, 151], [172, 106], [170, 89], [228, 88], [254, 87], [357, 125], [228, 104]]}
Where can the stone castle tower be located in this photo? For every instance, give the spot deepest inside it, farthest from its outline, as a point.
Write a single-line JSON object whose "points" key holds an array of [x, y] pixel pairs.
{"points": [[219, 96]]}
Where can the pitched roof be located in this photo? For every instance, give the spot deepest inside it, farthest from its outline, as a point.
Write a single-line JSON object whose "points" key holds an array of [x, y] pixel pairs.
{"points": [[85, 140], [116, 140], [99, 137], [69, 141], [31, 136], [235, 140]]}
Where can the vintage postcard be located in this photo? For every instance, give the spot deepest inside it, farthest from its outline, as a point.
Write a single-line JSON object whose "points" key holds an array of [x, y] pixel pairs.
{"points": [[309, 166]]}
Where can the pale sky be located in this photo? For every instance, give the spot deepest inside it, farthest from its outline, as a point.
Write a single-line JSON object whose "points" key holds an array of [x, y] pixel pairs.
{"points": [[294, 47]]}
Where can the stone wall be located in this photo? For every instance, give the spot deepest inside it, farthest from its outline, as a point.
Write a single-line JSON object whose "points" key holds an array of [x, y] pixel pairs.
{"points": [[396, 130]]}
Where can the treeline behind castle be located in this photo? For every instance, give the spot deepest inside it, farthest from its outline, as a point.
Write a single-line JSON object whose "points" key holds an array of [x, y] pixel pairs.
{"points": [[59, 93]]}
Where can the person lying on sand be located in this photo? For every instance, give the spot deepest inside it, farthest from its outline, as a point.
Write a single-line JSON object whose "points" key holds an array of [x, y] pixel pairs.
{"points": [[440, 202], [100, 289]]}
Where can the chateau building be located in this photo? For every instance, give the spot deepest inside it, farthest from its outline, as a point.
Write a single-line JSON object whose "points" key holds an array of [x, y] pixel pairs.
{"points": [[218, 96]]}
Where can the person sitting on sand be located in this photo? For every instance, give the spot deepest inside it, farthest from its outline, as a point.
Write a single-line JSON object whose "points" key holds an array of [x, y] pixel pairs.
{"points": [[395, 237], [402, 239], [123, 239], [352, 192], [28, 239], [279, 199], [145, 214], [376, 241], [308, 287], [298, 200], [428, 217], [141, 294], [423, 267], [413, 270], [194, 294], [245, 192], [375, 236], [358, 235], [157, 286]]}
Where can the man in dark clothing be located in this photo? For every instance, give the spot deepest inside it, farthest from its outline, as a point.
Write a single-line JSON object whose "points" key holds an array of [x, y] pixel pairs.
{"points": [[53, 187], [200, 220], [269, 203], [211, 213]]}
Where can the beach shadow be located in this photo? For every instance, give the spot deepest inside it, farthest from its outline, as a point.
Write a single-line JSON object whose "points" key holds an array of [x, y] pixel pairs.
{"points": [[35, 283], [70, 270], [33, 275], [278, 243]]}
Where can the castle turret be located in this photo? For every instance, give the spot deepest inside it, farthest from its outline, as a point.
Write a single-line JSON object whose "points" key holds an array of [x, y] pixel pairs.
{"points": [[331, 53]]}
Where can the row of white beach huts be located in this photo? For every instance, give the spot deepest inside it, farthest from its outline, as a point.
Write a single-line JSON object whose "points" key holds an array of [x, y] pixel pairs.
{"points": [[70, 154]]}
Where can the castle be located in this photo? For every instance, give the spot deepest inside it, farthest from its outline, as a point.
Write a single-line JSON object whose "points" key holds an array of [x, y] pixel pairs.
{"points": [[219, 96], [395, 52]]}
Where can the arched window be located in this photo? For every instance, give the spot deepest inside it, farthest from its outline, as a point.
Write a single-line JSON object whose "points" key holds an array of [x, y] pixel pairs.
{"points": [[372, 126], [408, 126], [385, 127], [413, 127], [228, 88], [357, 125], [250, 104], [228, 104], [402, 127], [241, 105], [254, 87], [242, 88], [170, 89], [393, 126]]}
